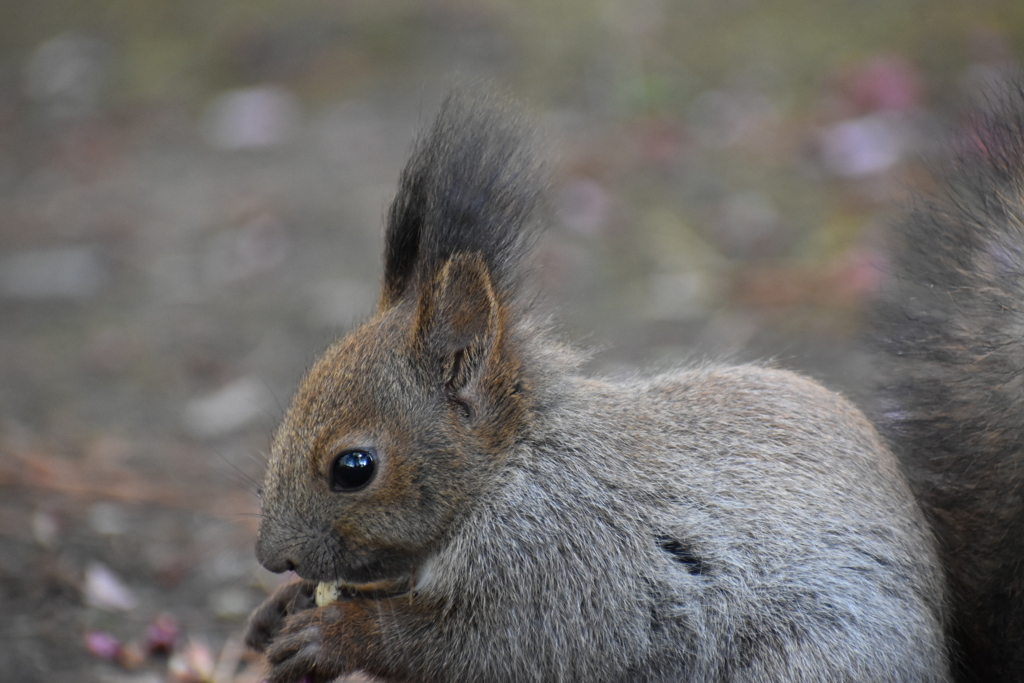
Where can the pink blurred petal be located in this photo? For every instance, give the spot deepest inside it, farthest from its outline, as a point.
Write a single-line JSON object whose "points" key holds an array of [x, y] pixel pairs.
{"points": [[888, 83], [162, 634], [102, 645]]}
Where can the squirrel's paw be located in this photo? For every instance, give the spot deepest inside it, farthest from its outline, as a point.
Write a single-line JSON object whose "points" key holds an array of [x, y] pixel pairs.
{"points": [[268, 619], [302, 651]]}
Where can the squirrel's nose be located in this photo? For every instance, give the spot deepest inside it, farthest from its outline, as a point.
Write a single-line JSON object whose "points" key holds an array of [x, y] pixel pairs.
{"points": [[273, 561]]}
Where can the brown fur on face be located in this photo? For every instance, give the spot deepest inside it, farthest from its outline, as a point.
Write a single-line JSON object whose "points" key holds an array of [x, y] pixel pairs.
{"points": [[431, 388]]}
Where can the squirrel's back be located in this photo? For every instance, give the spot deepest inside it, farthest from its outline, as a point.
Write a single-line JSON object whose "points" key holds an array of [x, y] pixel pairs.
{"points": [[739, 523], [951, 334]]}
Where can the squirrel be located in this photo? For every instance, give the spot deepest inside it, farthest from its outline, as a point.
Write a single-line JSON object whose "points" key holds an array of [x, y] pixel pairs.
{"points": [[462, 503], [949, 334]]}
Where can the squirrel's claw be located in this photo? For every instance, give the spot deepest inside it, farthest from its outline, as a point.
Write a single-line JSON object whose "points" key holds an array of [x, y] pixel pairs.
{"points": [[298, 651], [268, 619]]}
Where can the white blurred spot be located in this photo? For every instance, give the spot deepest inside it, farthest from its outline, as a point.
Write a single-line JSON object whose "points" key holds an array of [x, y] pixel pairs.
{"points": [[105, 589], [67, 75], [45, 528], [193, 662], [252, 118], [60, 273], [233, 407], [864, 146]]}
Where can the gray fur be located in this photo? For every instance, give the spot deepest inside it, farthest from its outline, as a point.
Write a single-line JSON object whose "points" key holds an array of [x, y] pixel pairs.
{"points": [[815, 564]]}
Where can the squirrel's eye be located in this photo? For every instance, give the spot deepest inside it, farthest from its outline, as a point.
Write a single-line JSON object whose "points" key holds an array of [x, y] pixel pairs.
{"points": [[352, 470]]}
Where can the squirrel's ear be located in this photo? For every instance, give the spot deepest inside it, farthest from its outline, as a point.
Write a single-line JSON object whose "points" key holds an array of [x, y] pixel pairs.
{"points": [[457, 322]]}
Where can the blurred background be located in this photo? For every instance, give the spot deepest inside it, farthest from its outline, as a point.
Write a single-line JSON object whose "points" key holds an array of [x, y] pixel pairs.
{"points": [[191, 199]]}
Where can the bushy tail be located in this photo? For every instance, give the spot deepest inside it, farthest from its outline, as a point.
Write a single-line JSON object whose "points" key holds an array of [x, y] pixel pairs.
{"points": [[951, 336]]}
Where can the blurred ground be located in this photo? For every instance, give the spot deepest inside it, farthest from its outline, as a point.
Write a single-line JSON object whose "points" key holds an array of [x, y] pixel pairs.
{"points": [[191, 197]]}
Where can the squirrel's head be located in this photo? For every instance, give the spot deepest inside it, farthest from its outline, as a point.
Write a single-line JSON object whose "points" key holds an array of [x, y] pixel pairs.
{"points": [[399, 426]]}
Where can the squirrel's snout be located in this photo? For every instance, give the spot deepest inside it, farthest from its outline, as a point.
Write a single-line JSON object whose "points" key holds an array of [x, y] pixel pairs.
{"points": [[274, 561]]}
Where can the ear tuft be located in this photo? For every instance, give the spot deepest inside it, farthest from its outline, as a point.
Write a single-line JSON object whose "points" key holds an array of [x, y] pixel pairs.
{"points": [[472, 186]]}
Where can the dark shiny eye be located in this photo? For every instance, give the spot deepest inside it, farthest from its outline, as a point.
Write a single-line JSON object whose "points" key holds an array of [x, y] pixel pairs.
{"points": [[352, 470]]}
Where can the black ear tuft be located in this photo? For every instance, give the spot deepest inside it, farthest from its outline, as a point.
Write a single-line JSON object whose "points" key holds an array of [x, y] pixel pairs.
{"points": [[402, 241], [472, 186]]}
